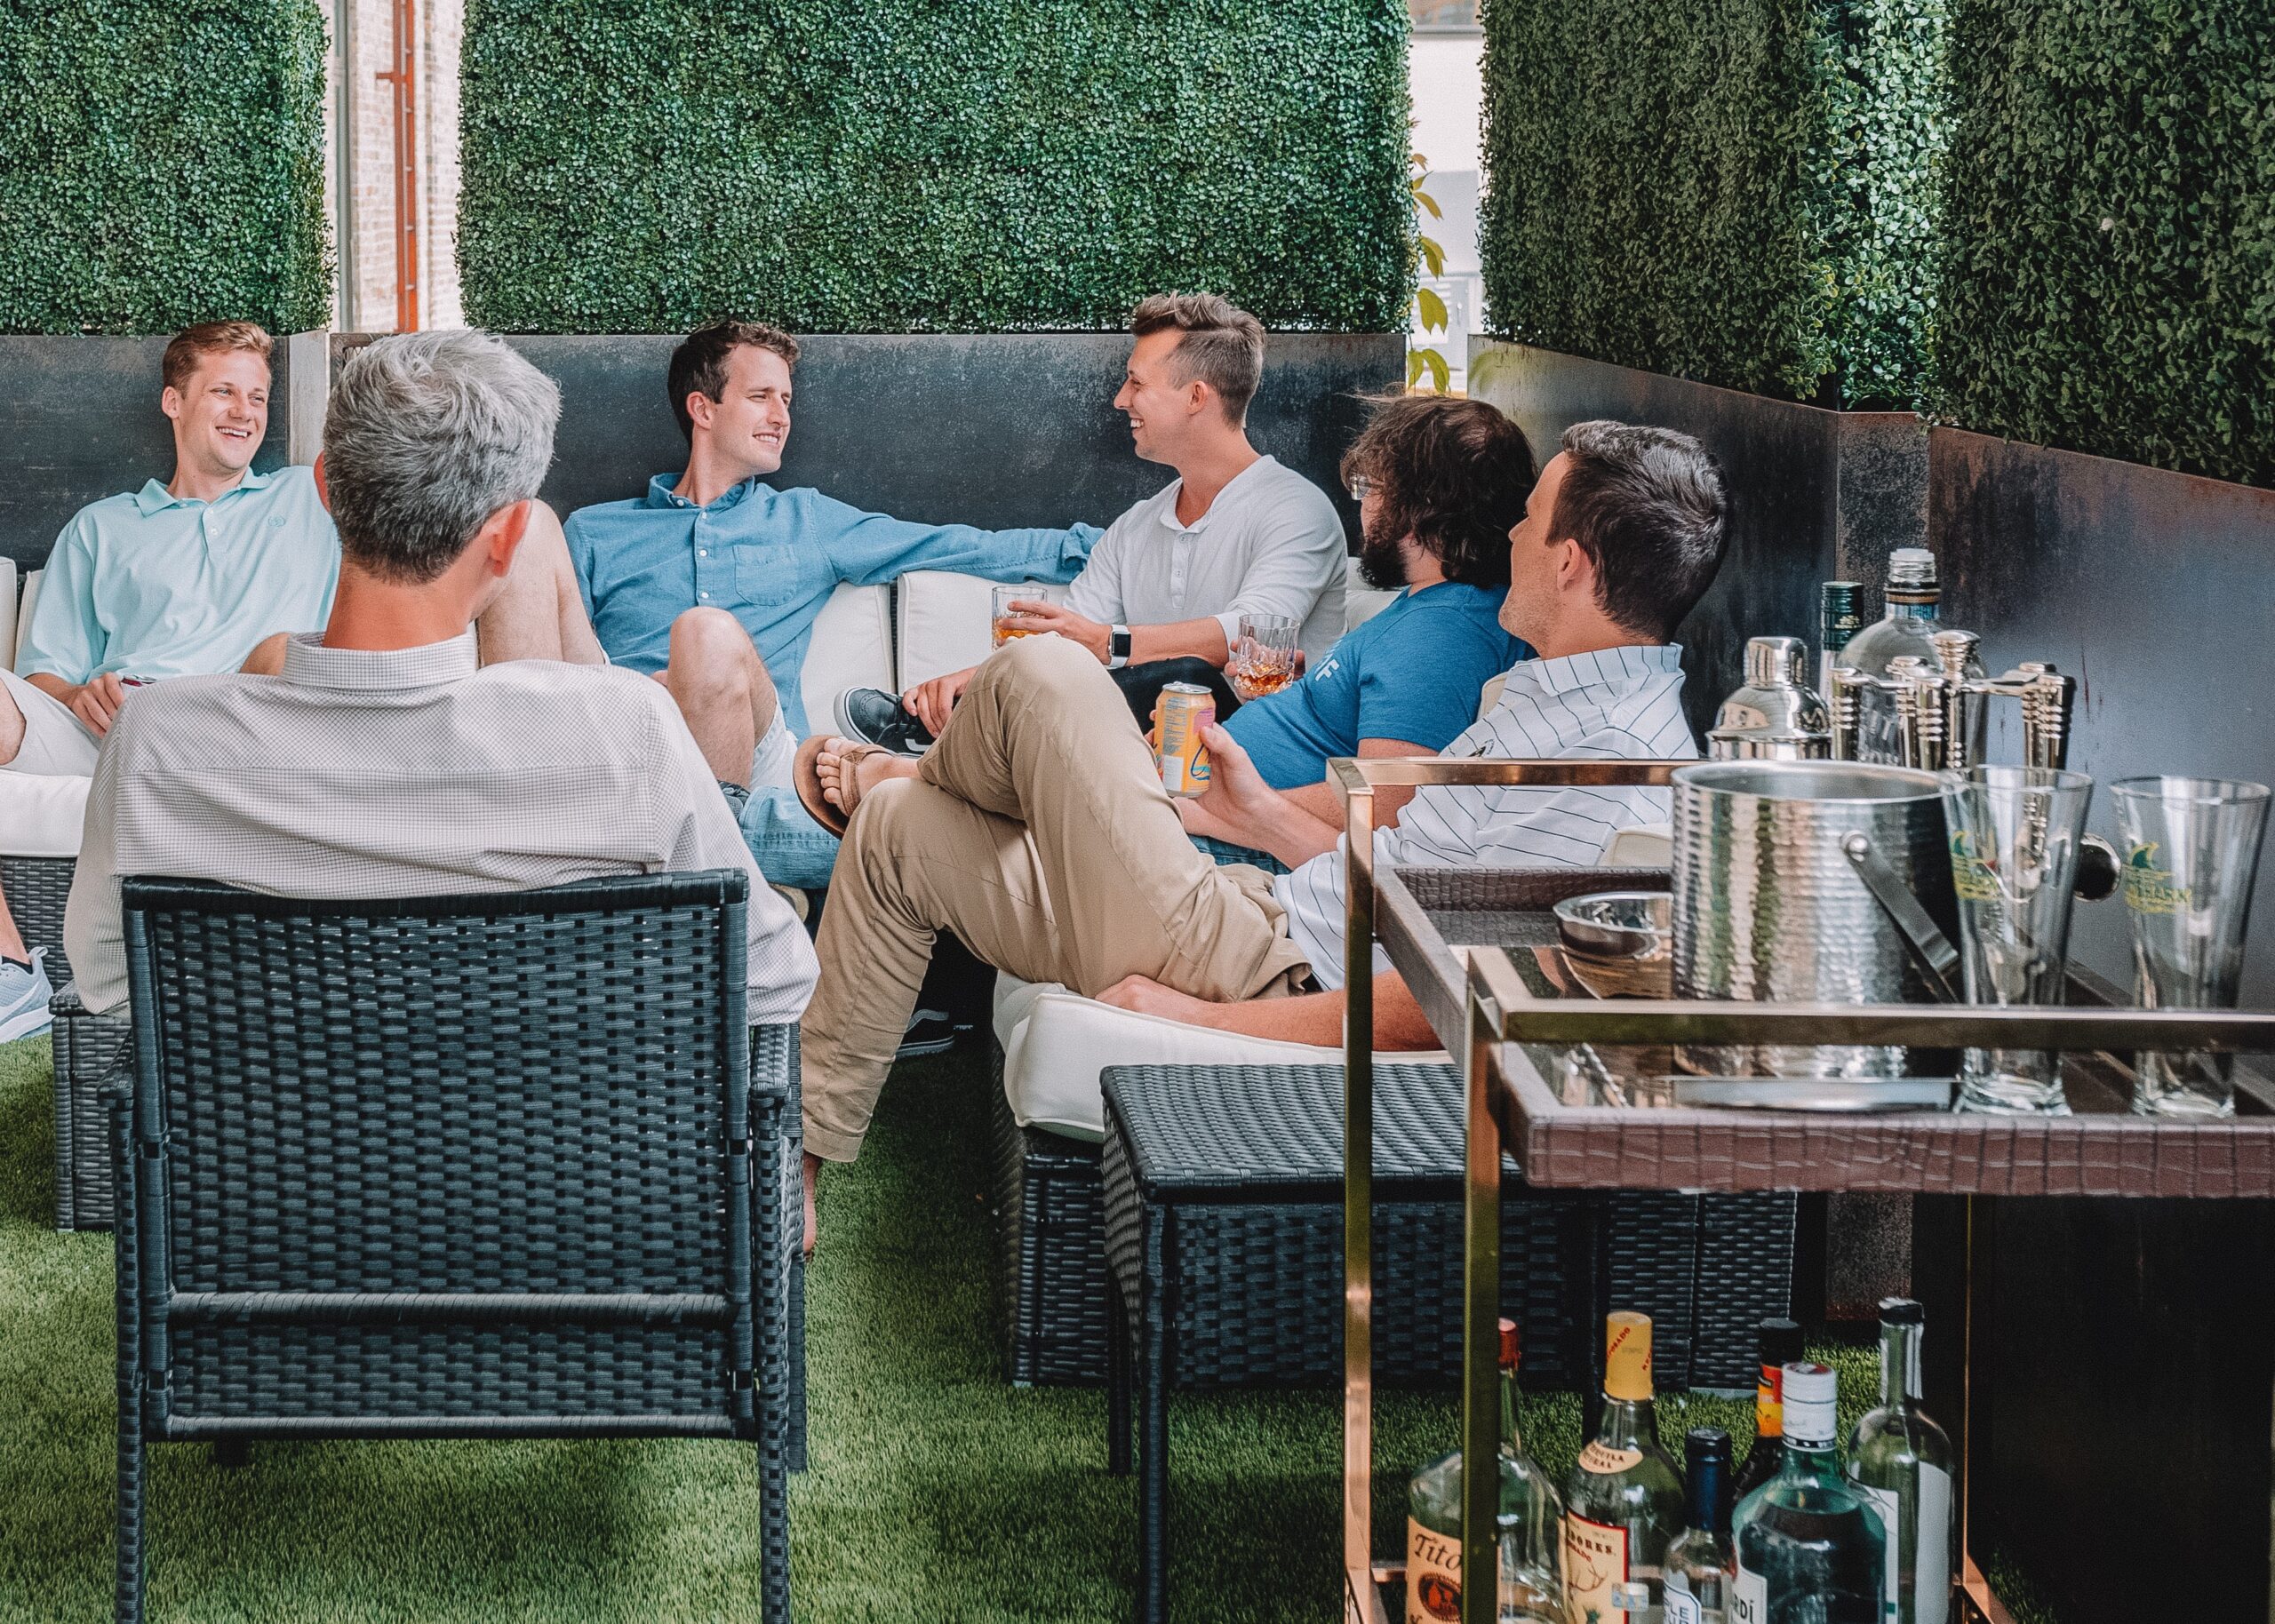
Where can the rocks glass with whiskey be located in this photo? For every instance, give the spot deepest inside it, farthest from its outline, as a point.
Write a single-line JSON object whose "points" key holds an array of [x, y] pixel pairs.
{"points": [[2191, 851], [1263, 655], [1810, 1548], [1531, 1588], [1903, 1460], [2016, 833], [1005, 623], [1623, 1503]]}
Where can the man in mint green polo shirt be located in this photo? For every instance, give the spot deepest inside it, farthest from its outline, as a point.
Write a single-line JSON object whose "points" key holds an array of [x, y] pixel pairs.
{"points": [[178, 579]]}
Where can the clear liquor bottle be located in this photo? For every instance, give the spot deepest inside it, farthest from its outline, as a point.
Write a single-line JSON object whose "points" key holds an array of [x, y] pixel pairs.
{"points": [[1810, 1550], [1900, 1457], [1702, 1562], [1531, 1585], [1623, 1503], [1780, 1345], [1913, 595]]}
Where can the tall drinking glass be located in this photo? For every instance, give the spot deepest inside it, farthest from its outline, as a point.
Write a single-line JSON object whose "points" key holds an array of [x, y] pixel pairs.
{"points": [[1263, 656], [2015, 835], [2192, 852]]}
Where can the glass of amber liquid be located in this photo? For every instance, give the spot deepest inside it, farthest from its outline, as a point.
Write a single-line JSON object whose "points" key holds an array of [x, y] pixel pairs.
{"points": [[1263, 655], [1004, 623]]}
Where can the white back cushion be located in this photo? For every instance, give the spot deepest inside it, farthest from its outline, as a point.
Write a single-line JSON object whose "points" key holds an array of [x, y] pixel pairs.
{"points": [[943, 623], [42, 816], [852, 647], [7, 614], [1363, 604], [22, 624]]}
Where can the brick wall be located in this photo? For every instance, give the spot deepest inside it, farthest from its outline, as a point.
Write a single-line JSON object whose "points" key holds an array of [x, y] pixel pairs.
{"points": [[361, 180]]}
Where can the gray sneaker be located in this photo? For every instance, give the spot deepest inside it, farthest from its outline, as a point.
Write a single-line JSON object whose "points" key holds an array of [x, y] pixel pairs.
{"points": [[24, 995], [874, 717]]}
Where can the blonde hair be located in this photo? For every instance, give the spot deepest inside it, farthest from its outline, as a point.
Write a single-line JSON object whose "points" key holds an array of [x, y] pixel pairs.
{"points": [[192, 344]]}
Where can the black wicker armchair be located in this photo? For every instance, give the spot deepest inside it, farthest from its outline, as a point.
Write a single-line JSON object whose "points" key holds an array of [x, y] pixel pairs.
{"points": [[505, 1165]]}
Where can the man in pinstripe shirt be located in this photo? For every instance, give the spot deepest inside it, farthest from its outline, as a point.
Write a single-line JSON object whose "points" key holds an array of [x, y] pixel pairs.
{"points": [[1037, 830]]}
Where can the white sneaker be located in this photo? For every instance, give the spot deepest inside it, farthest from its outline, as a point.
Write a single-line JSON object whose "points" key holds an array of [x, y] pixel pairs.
{"points": [[24, 996]]}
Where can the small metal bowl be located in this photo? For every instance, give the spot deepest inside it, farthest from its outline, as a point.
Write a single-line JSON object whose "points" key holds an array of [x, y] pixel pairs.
{"points": [[1618, 924]]}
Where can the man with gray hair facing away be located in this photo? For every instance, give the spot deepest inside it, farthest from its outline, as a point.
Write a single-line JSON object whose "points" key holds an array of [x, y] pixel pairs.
{"points": [[384, 760]]}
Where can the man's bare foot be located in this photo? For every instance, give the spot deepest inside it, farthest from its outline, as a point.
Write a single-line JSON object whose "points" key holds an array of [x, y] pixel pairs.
{"points": [[813, 1178], [850, 769]]}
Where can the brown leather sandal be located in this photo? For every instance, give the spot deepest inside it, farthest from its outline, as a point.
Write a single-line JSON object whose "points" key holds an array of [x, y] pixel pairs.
{"points": [[805, 777]]}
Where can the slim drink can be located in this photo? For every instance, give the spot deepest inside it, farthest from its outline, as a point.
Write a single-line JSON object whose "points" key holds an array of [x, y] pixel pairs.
{"points": [[1186, 708]]}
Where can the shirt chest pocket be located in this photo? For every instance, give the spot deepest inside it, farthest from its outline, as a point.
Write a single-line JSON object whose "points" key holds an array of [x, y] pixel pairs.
{"points": [[768, 578]]}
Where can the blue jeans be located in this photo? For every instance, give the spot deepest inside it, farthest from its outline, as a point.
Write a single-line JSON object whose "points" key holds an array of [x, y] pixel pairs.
{"points": [[792, 849], [1225, 852]]}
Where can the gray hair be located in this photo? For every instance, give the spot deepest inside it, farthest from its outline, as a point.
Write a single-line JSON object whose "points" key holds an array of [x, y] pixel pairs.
{"points": [[428, 434]]}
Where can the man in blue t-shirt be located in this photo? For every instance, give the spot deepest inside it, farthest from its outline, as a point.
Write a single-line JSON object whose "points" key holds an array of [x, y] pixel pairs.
{"points": [[1439, 484]]}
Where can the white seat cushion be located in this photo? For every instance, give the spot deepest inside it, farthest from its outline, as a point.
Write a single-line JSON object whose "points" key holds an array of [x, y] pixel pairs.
{"points": [[852, 647], [1644, 846], [1055, 1043], [40, 816]]}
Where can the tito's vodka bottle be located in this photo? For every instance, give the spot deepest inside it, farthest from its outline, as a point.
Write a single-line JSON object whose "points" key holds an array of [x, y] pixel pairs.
{"points": [[1702, 1563], [1912, 597], [1903, 1460], [1810, 1550], [1623, 1504], [1781, 1345], [1530, 1591]]}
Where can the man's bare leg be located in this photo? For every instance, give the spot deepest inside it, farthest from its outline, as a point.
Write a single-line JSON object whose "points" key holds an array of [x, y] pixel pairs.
{"points": [[13, 729], [268, 657], [11, 940], [541, 614], [722, 688]]}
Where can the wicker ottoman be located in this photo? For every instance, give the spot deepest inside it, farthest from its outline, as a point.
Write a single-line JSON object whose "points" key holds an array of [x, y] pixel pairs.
{"points": [[89, 1050], [1223, 1224], [1050, 1252], [36, 889]]}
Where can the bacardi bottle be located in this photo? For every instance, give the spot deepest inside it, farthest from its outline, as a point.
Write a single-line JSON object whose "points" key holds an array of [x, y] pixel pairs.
{"points": [[1780, 1342], [1531, 1590], [1810, 1550], [1702, 1563], [1903, 1460], [1623, 1504]]}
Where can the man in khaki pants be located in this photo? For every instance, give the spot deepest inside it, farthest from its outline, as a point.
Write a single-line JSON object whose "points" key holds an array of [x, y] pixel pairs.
{"points": [[1037, 828]]}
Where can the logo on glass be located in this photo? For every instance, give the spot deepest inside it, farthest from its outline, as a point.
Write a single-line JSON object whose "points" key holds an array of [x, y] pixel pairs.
{"points": [[2147, 888], [1974, 879]]}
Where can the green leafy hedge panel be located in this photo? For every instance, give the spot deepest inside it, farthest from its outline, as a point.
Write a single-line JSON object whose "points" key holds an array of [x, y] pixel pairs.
{"points": [[1735, 191], [161, 164], [918, 166]]}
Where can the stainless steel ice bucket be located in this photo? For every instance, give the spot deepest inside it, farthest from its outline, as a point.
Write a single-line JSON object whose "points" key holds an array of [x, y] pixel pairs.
{"points": [[1769, 906]]}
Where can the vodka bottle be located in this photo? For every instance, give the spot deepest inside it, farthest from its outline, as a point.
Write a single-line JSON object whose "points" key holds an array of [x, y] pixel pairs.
{"points": [[1912, 599], [1623, 1504], [1531, 1590], [1702, 1562], [1810, 1550], [1780, 1341], [1903, 1460]]}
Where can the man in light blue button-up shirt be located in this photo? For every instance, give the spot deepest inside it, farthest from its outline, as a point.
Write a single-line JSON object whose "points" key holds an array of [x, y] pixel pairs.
{"points": [[717, 539], [182, 578]]}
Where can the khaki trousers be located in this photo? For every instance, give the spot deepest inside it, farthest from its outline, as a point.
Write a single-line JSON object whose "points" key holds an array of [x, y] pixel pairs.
{"points": [[1038, 832]]}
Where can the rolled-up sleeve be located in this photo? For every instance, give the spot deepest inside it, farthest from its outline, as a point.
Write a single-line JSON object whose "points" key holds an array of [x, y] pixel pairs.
{"points": [[1298, 558]]}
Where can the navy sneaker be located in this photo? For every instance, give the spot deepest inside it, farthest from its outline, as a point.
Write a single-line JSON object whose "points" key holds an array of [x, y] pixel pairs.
{"points": [[931, 1031], [874, 717], [24, 994]]}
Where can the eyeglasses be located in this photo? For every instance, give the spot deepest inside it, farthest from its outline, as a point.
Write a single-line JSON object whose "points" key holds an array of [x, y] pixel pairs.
{"points": [[1361, 488]]}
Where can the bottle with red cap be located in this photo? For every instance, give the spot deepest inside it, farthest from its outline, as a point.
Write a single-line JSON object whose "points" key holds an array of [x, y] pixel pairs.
{"points": [[1781, 1344]]}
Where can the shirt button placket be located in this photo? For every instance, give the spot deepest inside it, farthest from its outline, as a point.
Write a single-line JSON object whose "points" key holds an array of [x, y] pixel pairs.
{"points": [[702, 564]]}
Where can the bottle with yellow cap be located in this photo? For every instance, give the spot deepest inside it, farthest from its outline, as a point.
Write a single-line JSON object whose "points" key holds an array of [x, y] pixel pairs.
{"points": [[1624, 1502]]}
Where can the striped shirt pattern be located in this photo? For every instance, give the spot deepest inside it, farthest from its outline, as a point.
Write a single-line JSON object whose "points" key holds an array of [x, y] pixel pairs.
{"points": [[1624, 702], [410, 772]]}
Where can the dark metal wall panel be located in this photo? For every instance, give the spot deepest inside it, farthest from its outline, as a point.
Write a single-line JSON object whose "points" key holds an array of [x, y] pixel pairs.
{"points": [[79, 420], [2154, 590], [997, 429], [1789, 511]]}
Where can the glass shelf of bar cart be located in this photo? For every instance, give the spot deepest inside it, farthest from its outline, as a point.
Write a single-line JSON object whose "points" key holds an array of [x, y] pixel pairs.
{"points": [[1582, 1092]]}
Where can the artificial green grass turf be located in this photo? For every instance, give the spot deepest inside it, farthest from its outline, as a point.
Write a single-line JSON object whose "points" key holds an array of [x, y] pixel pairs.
{"points": [[937, 1492]]}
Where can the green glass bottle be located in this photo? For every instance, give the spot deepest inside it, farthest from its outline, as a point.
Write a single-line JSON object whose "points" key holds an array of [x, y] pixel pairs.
{"points": [[1531, 1583], [1624, 1502], [1903, 1460], [1810, 1550]]}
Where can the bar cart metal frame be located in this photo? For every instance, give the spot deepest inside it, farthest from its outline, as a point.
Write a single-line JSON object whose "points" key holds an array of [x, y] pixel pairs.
{"points": [[1483, 1011]]}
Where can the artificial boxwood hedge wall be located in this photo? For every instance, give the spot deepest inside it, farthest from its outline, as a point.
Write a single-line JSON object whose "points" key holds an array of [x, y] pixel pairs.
{"points": [[915, 165], [1735, 191], [162, 162], [2108, 282]]}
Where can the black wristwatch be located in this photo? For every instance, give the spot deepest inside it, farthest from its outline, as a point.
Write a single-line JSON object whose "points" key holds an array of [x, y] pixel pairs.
{"points": [[1118, 649]]}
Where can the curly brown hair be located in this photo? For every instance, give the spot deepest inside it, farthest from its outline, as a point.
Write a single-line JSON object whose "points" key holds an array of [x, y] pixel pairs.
{"points": [[1452, 473]]}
